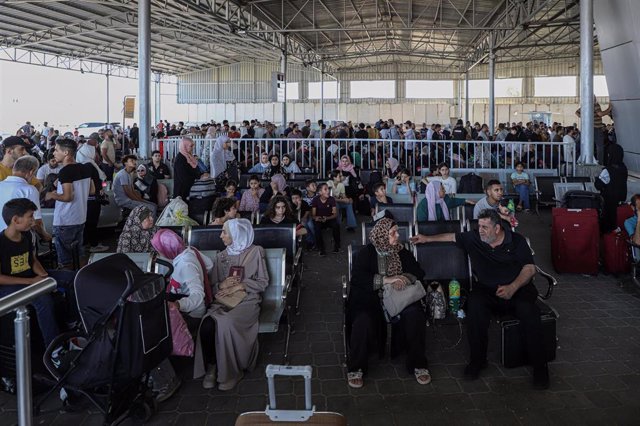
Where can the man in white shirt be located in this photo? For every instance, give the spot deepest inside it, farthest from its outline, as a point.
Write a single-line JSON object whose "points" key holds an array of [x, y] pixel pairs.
{"points": [[569, 147], [18, 186], [51, 166]]}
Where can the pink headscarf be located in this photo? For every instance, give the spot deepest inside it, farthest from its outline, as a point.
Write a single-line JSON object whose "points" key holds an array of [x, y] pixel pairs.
{"points": [[167, 243], [348, 168], [433, 196], [393, 164], [281, 183], [186, 146]]}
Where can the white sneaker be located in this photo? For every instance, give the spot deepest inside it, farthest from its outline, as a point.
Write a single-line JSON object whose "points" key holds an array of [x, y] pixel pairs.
{"points": [[98, 248], [209, 380]]}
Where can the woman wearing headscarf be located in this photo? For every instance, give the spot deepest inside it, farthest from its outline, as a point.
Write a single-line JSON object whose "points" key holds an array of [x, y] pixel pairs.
{"points": [[391, 167], [275, 168], [146, 184], [612, 184], [278, 186], [436, 204], [384, 261], [189, 292], [289, 166], [185, 169], [138, 231], [262, 166], [240, 267], [222, 161]]}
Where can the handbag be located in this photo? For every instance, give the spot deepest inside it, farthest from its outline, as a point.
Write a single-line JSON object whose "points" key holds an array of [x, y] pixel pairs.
{"points": [[395, 301], [182, 339], [232, 300]]}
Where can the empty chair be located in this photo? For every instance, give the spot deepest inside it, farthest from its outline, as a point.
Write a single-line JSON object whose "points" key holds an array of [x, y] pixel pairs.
{"points": [[402, 212], [438, 227], [205, 238], [545, 194], [110, 214], [577, 179], [442, 262]]}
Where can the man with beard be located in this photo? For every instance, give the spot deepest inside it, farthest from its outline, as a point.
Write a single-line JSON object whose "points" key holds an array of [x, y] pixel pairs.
{"points": [[502, 262]]}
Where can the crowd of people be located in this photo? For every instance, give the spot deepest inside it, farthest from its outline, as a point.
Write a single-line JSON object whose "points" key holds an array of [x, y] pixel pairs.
{"points": [[72, 175]]}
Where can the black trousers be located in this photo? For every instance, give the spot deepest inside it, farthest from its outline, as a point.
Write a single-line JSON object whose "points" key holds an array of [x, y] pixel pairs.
{"points": [[91, 225], [207, 328], [329, 224], [483, 302], [409, 333]]}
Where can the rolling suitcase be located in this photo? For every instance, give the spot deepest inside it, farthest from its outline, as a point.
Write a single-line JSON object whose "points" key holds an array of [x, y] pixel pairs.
{"points": [[514, 353], [274, 416], [615, 252], [575, 238], [582, 200]]}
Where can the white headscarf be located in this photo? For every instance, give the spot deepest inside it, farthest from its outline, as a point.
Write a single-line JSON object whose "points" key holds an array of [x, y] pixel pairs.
{"points": [[86, 155], [220, 156], [241, 233]]}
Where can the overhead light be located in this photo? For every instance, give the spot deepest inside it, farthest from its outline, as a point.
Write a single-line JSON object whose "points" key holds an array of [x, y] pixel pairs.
{"points": [[242, 31]]}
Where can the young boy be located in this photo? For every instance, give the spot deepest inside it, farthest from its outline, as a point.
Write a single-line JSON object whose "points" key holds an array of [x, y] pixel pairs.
{"points": [[19, 266], [324, 213], [303, 211], [380, 197], [521, 184], [310, 192], [343, 202]]}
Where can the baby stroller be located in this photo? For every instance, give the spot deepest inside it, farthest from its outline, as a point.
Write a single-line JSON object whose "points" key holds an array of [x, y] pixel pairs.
{"points": [[125, 333]]}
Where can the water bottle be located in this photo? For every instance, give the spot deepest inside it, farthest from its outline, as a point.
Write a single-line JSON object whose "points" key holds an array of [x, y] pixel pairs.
{"points": [[454, 296], [511, 206]]}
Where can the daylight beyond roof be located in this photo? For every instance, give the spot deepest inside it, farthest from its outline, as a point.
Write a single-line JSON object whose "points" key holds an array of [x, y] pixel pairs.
{"points": [[188, 35]]}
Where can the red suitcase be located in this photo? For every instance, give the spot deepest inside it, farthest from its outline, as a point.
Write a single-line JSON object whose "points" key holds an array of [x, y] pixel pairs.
{"points": [[575, 238], [615, 252]]}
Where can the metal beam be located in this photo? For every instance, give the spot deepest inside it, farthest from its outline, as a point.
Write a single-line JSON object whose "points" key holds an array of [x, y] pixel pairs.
{"points": [[144, 78], [586, 85]]}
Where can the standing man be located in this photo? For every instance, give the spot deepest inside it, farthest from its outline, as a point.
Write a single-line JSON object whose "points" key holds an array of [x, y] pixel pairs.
{"points": [[598, 128], [503, 263], [134, 137], [108, 152], [70, 213]]}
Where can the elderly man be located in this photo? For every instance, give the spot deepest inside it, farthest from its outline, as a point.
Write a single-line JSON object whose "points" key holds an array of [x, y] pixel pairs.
{"points": [[504, 266], [14, 147], [17, 186]]}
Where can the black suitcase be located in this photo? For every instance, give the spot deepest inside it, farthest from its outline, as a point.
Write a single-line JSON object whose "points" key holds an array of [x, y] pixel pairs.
{"points": [[514, 353], [582, 200]]}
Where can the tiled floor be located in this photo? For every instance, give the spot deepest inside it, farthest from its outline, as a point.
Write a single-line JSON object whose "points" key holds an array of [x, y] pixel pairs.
{"points": [[595, 378]]}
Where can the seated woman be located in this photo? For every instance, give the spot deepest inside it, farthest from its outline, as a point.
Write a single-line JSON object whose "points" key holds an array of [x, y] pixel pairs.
{"points": [[274, 168], [250, 201], [384, 262], [146, 184], [224, 209], [262, 166], [403, 184], [189, 292], [289, 166], [278, 186], [436, 204], [278, 211], [391, 167], [236, 329], [138, 231]]}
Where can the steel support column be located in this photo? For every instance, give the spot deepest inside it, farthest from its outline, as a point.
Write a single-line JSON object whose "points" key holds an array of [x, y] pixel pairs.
{"points": [[586, 83], [492, 89], [322, 93], [283, 70], [108, 93], [467, 117], [144, 76], [158, 109]]}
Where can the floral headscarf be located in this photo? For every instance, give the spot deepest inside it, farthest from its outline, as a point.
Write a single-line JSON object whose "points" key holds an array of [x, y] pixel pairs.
{"points": [[134, 239], [432, 194], [379, 237]]}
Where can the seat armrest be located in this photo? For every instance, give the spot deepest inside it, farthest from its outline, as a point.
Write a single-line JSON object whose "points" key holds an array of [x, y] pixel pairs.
{"points": [[551, 283], [286, 288], [296, 258], [344, 288]]}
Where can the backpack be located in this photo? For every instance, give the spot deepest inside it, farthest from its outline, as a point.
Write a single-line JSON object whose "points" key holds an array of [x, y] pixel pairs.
{"points": [[470, 183], [436, 303], [203, 188]]}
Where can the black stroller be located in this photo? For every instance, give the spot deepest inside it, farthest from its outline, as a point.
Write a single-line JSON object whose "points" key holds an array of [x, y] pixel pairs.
{"points": [[125, 334]]}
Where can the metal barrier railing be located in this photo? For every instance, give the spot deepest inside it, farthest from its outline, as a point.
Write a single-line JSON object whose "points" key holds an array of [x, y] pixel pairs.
{"points": [[322, 154], [18, 302]]}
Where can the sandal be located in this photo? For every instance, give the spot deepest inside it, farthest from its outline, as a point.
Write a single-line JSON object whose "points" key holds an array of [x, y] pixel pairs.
{"points": [[354, 379], [422, 376]]}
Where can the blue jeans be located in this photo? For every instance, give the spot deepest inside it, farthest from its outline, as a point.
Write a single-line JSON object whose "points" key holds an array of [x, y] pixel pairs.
{"points": [[44, 307], [310, 237], [523, 194], [351, 217], [64, 237]]}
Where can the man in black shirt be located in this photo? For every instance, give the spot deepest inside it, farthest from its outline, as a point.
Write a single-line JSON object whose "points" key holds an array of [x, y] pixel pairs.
{"points": [[504, 266], [361, 133]]}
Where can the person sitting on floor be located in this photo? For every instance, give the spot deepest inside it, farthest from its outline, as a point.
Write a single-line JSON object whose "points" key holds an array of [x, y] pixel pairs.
{"points": [[239, 270], [384, 261], [503, 263], [138, 231], [224, 209], [436, 204]]}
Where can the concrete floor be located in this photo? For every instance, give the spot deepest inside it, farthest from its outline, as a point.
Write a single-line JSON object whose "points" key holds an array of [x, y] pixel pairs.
{"points": [[595, 378]]}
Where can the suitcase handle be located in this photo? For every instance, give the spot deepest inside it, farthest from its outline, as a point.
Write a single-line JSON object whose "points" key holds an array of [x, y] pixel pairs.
{"points": [[289, 415]]}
